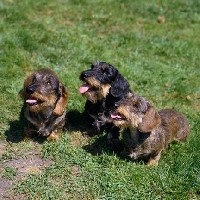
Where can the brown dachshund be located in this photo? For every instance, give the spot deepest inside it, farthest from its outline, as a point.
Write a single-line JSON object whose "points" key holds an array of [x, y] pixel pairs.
{"points": [[46, 99], [147, 132]]}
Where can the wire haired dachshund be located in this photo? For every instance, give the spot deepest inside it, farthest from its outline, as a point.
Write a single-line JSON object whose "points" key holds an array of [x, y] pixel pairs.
{"points": [[103, 86], [145, 131], [46, 99]]}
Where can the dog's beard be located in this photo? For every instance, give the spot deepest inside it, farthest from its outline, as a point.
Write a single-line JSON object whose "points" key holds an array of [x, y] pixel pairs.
{"points": [[123, 118], [38, 102], [94, 90], [98, 94]]}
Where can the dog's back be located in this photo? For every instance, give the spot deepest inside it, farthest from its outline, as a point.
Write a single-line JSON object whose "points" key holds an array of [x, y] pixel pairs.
{"points": [[175, 123]]}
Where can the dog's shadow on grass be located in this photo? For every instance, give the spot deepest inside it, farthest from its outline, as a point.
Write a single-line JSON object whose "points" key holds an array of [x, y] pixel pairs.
{"points": [[75, 121], [99, 145], [15, 133]]}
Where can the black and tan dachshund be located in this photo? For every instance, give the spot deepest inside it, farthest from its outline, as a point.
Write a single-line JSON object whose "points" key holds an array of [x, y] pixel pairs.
{"points": [[103, 86]]}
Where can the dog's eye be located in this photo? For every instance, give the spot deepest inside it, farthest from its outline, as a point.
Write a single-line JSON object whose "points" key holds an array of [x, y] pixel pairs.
{"points": [[48, 83]]}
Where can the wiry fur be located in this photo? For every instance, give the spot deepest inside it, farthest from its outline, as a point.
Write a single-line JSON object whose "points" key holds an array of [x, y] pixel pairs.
{"points": [[46, 99], [106, 86], [147, 132]]}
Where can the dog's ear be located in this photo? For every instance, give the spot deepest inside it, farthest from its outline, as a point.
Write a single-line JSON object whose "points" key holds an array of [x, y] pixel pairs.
{"points": [[150, 120], [62, 101], [119, 86], [141, 103], [95, 63]]}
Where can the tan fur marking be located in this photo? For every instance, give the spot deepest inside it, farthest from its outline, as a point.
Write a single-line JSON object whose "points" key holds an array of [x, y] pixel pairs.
{"points": [[48, 100], [93, 82], [99, 92], [61, 103], [131, 120], [104, 90], [54, 136]]}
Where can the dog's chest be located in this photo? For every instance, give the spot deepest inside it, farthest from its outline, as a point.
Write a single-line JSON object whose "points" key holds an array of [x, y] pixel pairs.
{"points": [[95, 109], [143, 144], [40, 119], [134, 139]]}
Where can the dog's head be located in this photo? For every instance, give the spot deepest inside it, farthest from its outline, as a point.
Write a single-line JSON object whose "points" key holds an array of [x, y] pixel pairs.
{"points": [[101, 80], [135, 111], [43, 89]]}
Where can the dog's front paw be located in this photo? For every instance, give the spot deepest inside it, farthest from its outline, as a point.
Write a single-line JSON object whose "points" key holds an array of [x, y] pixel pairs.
{"points": [[43, 132], [53, 137], [153, 161]]}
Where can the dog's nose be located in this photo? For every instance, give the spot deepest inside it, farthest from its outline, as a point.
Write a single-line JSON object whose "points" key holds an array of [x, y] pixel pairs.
{"points": [[116, 104], [84, 75], [30, 90]]}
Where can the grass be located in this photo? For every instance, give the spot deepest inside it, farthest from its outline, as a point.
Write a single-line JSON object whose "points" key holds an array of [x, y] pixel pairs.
{"points": [[160, 59]]}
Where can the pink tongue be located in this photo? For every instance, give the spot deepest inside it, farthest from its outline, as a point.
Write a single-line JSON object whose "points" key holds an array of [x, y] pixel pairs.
{"points": [[116, 116], [31, 101], [84, 88]]}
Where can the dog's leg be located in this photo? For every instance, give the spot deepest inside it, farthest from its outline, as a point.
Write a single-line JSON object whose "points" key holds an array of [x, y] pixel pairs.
{"points": [[29, 133], [91, 128], [113, 136], [154, 161]]}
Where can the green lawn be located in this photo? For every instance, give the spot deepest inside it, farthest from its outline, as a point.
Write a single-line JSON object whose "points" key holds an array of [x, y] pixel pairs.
{"points": [[154, 44]]}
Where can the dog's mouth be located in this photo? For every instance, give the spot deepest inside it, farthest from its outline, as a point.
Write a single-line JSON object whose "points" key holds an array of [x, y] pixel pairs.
{"points": [[33, 101], [85, 88], [117, 117]]}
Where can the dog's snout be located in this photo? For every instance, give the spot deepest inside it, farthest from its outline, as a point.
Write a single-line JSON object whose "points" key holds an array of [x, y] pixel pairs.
{"points": [[30, 89]]}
